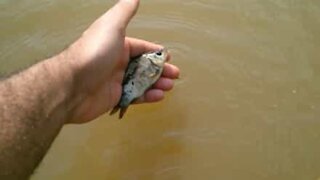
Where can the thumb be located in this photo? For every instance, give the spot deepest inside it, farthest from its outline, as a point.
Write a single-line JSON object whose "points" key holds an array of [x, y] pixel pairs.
{"points": [[121, 13]]}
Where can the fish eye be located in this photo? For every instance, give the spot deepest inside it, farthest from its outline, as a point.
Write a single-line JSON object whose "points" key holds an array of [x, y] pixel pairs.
{"points": [[159, 53]]}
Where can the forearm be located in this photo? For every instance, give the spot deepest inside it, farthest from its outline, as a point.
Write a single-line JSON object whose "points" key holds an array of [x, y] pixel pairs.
{"points": [[34, 106]]}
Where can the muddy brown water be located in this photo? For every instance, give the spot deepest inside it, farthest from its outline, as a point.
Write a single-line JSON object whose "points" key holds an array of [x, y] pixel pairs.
{"points": [[247, 105]]}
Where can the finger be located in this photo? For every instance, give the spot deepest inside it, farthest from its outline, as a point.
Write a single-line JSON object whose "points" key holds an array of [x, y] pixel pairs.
{"points": [[171, 71], [164, 84], [138, 46], [152, 95], [121, 13]]}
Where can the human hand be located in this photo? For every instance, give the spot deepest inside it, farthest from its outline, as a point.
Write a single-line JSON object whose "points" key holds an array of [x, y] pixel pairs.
{"points": [[100, 57]]}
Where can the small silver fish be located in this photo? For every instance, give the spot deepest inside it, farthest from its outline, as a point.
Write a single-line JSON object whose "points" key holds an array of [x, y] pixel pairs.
{"points": [[142, 72]]}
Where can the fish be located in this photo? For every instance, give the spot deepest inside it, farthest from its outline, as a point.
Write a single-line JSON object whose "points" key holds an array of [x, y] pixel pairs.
{"points": [[141, 73]]}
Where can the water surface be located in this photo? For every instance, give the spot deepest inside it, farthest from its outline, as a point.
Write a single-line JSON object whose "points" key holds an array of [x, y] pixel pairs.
{"points": [[247, 105]]}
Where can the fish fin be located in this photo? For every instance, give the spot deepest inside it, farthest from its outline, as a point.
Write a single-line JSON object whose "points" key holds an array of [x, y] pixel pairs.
{"points": [[122, 111], [114, 110]]}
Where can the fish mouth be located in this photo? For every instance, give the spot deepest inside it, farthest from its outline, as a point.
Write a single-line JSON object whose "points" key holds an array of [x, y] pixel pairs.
{"points": [[166, 52]]}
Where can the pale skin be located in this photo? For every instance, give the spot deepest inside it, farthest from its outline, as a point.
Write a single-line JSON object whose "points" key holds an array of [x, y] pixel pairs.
{"points": [[75, 86]]}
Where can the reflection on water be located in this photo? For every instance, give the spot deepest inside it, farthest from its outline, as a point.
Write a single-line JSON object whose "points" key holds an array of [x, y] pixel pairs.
{"points": [[246, 106]]}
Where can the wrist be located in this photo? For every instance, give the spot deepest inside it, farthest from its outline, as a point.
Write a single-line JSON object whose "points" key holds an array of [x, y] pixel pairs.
{"points": [[63, 71]]}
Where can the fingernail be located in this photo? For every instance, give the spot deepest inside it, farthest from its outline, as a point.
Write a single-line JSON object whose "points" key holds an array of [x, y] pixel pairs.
{"points": [[129, 1]]}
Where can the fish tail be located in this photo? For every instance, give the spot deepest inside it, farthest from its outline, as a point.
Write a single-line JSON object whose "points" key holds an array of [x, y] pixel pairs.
{"points": [[122, 111], [117, 108], [114, 110]]}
